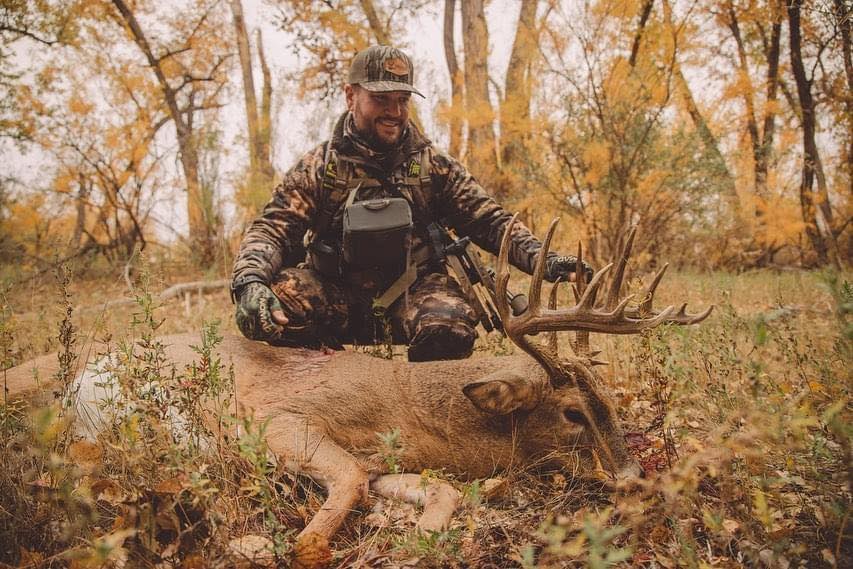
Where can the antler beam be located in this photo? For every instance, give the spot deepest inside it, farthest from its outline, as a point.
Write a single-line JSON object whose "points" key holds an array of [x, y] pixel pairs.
{"points": [[613, 316]]}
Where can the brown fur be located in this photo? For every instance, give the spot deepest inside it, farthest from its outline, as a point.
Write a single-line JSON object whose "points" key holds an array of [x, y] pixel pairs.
{"points": [[470, 418]]}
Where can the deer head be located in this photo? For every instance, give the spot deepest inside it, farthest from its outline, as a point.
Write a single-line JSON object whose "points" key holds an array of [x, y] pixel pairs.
{"points": [[560, 401]]}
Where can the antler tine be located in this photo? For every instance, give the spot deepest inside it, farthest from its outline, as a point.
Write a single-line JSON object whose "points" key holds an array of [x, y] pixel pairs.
{"points": [[588, 298], [551, 341], [535, 292], [619, 275], [648, 297], [581, 344], [552, 298], [502, 272], [580, 276], [515, 326], [682, 317]]}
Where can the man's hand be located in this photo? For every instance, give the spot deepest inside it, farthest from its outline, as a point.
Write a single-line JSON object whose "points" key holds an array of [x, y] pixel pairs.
{"points": [[564, 268], [259, 313]]}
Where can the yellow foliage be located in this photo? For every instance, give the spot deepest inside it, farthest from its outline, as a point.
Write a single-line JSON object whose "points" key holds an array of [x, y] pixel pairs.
{"points": [[64, 181], [782, 221], [78, 105], [618, 84], [596, 156], [651, 183], [625, 10]]}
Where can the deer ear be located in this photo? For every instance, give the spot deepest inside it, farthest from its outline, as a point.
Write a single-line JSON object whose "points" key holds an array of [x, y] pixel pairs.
{"points": [[503, 392]]}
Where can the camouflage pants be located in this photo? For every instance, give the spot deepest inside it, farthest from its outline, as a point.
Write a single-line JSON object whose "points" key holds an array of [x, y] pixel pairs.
{"points": [[436, 322]]}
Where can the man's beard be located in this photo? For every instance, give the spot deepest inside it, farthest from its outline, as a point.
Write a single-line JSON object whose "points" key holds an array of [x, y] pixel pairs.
{"points": [[372, 138]]}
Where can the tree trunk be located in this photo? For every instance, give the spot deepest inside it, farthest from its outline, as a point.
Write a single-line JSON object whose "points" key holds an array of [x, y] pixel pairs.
{"points": [[249, 99], [772, 85], [751, 121], [818, 226], [264, 121], [844, 18], [455, 79], [84, 189], [478, 108], [645, 12], [515, 109], [200, 232]]}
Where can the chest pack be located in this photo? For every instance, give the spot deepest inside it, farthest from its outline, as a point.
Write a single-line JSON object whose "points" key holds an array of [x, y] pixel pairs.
{"points": [[375, 232]]}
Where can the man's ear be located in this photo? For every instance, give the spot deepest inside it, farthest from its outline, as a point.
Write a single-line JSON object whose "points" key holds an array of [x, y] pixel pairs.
{"points": [[503, 392], [349, 91]]}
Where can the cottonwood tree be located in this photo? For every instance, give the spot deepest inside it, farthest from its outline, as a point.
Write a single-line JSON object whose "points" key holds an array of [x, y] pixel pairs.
{"points": [[620, 159], [100, 128], [189, 56], [25, 24], [479, 115], [259, 179], [817, 210]]}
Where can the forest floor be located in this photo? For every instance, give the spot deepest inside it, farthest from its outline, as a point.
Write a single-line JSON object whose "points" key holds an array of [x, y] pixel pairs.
{"points": [[743, 424]]}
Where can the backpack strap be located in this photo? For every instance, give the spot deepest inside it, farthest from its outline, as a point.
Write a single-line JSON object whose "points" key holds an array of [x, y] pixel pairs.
{"points": [[418, 172], [337, 174]]}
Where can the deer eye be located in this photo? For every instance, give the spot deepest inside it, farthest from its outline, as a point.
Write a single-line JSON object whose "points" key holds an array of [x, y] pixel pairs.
{"points": [[575, 416]]}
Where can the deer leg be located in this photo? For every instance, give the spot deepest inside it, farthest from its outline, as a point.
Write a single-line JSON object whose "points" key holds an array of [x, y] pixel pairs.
{"points": [[439, 499], [305, 448]]}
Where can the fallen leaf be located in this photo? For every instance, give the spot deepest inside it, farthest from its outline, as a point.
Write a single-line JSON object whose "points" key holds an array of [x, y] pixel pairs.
{"points": [[29, 558], [251, 551], [495, 489], [172, 485], [86, 455], [108, 491], [312, 552]]}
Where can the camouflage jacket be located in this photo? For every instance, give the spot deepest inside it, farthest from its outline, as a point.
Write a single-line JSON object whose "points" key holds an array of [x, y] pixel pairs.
{"points": [[275, 239]]}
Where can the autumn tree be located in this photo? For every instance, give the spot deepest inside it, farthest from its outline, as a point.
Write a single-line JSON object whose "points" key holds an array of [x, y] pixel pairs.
{"points": [[27, 25], [681, 43], [479, 114], [747, 24], [619, 158], [815, 203], [454, 112], [260, 175], [515, 109], [190, 64], [100, 127]]}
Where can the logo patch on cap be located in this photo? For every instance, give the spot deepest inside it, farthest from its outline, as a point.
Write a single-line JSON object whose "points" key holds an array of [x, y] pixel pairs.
{"points": [[397, 66]]}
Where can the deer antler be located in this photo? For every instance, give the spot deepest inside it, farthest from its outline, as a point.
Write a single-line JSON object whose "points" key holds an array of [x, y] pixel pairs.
{"points": [[613, 316]]}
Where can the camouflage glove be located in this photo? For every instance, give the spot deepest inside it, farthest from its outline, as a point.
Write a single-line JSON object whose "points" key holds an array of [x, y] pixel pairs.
{"points": [[259, 313], [563, 266]]}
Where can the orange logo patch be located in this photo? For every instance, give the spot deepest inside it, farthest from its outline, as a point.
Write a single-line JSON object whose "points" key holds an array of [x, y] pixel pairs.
{"points": [[396, 66]]}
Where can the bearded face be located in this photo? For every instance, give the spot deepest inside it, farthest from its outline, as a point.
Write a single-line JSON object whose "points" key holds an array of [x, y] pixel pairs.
{"points": [[379, 117]]}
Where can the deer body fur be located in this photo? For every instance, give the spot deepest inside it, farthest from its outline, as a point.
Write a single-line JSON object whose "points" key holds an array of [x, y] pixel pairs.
{"points": [[325, 410]]}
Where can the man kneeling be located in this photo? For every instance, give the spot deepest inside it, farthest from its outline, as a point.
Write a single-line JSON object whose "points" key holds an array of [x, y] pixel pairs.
{"points": [[371, 203]]}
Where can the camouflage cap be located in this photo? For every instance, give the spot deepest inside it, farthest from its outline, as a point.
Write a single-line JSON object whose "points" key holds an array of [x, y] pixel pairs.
{"points": [[381, 68]]}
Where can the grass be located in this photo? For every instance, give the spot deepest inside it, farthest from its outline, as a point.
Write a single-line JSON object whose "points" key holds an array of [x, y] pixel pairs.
{"points": [[743, 422]]}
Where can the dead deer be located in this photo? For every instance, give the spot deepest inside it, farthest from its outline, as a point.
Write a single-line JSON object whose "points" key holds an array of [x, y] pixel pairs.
{"points": [[468, 418]]}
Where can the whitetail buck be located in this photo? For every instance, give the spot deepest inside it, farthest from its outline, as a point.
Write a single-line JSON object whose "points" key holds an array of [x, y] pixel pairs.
{"points": [[468, 418]]}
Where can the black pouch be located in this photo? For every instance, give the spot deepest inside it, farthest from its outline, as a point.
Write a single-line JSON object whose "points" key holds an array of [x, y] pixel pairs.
{"points": [[324, 258], [376, 232]]}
